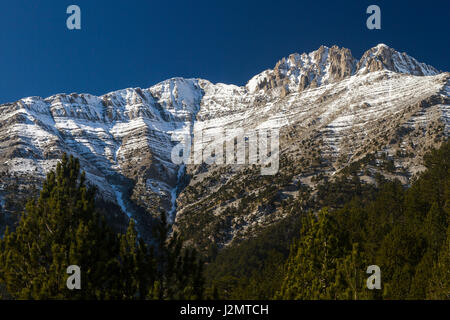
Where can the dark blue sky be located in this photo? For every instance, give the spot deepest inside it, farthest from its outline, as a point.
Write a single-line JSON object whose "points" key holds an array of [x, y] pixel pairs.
{"points": [[139, 43]]}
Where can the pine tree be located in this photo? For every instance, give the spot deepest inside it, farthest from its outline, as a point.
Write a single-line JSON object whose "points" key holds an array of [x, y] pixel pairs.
{"points": [[137, 264], [433, 231], [62, 227], [311, 268], [439, 283], [180, 269], [59, 229], [351, 276]]}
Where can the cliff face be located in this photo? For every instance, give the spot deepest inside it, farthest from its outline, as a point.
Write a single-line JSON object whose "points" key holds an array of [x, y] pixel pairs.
{"points": [[123, 139], [332, 111]]}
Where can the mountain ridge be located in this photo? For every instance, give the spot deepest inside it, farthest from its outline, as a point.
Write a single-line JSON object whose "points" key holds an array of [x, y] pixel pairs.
{"points": [[332, 113], [424, 68]]}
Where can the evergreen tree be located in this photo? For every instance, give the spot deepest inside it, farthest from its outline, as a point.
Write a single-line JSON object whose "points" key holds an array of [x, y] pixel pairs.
{"points": [[434, 232], [439, 282], [351, 276], [138, 267], [59, 229], [311, 269], [181, 270], [63, 228]]}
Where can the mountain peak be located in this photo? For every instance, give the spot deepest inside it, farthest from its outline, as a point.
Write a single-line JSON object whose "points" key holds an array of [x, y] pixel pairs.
{"points": [[330, 64], [307, 70], [383, 57], [381, 45]]}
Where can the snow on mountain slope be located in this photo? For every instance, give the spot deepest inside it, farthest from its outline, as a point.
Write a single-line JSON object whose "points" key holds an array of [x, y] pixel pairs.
{"points": [[328, 65], [124, 138], [383, 57], [339, 123]]}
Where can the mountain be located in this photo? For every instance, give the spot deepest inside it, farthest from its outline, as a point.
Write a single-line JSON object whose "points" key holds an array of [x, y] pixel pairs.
{"points": [[337, 116]]}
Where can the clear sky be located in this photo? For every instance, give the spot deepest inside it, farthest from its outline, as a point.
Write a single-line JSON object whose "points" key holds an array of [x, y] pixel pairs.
{"points": [[139, 43]]}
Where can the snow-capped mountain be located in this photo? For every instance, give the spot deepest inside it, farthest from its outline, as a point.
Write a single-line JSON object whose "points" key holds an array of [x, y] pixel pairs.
{"points": [[328, 105], [328, 65]]}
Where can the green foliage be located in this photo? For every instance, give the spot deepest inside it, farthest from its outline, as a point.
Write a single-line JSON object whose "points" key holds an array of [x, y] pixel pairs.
{"points": [[63, 227], [405, 232], [439, 282], [252, 269], [322, 254], [311, 267]]}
